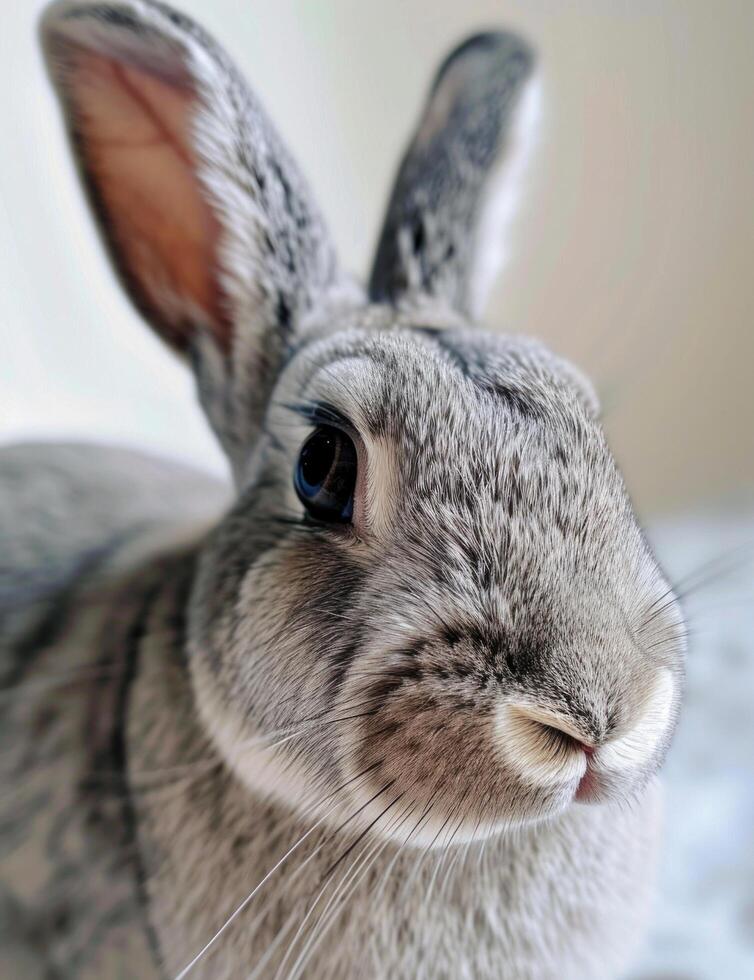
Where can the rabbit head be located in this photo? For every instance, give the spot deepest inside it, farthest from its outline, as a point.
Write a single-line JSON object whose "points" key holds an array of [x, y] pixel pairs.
{"points": [[432, 588]]}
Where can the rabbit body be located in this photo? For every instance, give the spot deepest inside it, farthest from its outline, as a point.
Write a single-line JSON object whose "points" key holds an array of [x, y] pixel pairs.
{"points": [[397, 707], [127, 842]]}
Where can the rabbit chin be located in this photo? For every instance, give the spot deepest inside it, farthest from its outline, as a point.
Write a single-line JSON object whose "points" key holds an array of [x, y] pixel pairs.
{"points": [[530, 793], [418, 801], [507, 804]]}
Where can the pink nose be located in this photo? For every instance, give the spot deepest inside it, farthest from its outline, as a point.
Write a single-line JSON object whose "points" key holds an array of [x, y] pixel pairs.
{"points": [[587, 785]]}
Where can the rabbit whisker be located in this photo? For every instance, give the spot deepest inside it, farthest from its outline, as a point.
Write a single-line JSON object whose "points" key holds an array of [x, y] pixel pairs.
{"points": [[324, 882], [246, 901], [357, 871], [311, 908]]}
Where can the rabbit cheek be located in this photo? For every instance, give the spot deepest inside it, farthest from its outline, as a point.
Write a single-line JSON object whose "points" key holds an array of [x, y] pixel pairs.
{"points": [[262, 659], [430, 744]]}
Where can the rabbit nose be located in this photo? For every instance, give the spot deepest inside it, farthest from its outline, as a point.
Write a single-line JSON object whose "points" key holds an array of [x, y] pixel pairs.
{"points": [[547, 747]]}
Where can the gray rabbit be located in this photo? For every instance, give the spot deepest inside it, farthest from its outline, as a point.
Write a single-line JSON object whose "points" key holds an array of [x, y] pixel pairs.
{"points": [[397, 708]]}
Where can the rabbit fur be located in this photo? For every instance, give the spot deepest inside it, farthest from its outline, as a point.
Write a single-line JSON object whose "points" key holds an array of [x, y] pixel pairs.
{"points": [[239, 743]]}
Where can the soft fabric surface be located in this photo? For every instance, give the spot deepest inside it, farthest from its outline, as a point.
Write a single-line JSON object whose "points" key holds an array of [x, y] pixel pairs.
{"points": [[705, 910]]}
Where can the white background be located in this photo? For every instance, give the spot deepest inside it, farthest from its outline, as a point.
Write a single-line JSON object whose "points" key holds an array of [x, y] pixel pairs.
{"points": [[632, 252]]}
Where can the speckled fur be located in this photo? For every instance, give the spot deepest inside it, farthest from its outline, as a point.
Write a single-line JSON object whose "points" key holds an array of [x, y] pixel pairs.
{"points": [[381, 716]]}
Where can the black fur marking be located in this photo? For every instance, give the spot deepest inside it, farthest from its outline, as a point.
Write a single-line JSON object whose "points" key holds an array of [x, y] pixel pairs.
{"points": [[290, 200], [395, 678], [453, 355], [284, 316], [119, 758], [515, 400], [451, 636], [342, 660], [512, 399], [418, 236], [113, 16]]}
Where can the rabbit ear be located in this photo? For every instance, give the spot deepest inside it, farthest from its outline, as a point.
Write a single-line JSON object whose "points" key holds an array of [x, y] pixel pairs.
{"points": [[430, 246], [206, 218]]}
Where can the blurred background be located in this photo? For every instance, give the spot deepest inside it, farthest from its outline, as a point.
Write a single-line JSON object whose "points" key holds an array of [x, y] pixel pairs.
{"points": [[631, 253]]}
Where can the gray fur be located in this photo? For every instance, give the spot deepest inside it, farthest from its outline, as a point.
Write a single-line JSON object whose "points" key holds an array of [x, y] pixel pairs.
{"points": [[400, 701], [428, 245]]}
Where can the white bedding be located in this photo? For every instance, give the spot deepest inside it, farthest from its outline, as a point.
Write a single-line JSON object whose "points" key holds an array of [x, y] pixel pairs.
{"points": [[704, 923]]}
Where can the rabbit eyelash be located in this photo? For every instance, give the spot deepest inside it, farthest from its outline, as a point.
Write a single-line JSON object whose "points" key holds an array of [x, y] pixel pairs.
{"points": [[320, 413]]}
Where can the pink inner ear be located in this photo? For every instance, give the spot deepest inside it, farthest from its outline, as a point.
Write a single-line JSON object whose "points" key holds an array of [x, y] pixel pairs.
{"points": [[135, 140]]}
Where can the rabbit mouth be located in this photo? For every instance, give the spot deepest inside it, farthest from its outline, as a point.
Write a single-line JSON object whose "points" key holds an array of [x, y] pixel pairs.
{"points": [[444, 779], [480, 771], [588, 790]]}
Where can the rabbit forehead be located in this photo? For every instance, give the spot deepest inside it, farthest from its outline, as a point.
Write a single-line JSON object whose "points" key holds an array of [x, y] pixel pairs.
{"points": [[376, 371], [463, 398]]}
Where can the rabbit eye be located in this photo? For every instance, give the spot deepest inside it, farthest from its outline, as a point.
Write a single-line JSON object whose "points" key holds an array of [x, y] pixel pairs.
{"points": [[325, 475]]}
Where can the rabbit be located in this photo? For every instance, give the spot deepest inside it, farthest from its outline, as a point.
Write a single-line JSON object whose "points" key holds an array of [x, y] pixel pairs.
{"points": [[394, 706]]}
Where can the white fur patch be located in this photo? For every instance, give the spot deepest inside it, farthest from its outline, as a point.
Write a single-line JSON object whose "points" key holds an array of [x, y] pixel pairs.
{"points": [[503, 195], [634, 749], [380, 484]]}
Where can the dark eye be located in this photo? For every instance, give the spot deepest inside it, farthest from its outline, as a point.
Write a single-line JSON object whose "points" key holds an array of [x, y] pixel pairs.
{"points": [[325, 475]]}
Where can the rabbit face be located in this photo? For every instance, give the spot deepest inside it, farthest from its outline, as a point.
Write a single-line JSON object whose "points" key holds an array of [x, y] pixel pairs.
{"points": [[431, 590], [486, 640]]}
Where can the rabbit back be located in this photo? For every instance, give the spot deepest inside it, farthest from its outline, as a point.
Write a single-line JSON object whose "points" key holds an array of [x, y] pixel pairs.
{"points": [[78, 523]]}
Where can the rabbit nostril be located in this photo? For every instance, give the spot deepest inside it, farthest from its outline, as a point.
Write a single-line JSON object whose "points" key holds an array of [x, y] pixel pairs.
{"points": [[578, 745], [568, 739]]}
